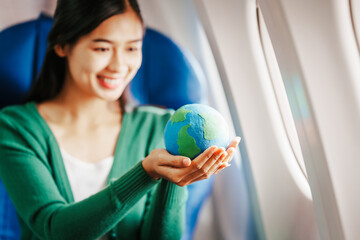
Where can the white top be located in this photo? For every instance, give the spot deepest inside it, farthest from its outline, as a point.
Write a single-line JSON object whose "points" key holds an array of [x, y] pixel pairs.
{"points": [[86, 178]]}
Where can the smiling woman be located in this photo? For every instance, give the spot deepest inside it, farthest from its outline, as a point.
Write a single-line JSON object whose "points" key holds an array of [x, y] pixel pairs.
{"points": [[109, 36], [106, 59], [106, 56], [75, 164]]}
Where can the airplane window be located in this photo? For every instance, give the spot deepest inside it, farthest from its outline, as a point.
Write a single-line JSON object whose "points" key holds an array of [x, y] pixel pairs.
{"points": [[355, 18], [280, 93]]}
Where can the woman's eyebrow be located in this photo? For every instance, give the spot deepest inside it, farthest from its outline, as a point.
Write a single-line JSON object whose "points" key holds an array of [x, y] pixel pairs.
{"points": [[102, 40], [109, 41], [136, 40]]}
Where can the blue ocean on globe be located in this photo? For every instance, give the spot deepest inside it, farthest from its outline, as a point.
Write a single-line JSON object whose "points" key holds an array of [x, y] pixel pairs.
{"points": [[193, 128]]}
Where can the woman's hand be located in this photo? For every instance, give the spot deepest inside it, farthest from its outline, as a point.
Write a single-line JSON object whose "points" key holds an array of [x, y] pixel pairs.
{"points": [[182, 171]]}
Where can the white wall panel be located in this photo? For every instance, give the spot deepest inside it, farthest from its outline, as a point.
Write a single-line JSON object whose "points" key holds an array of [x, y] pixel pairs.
{"points": [[17, 11], [315, 42], [286, 212]]}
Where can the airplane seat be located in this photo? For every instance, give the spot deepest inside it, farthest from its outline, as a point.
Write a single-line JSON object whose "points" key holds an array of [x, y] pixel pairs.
{"points": [[168, 77]]}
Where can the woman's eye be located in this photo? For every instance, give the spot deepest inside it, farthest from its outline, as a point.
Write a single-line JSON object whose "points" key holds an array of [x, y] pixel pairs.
{"points": [[132, 49], [101, 49]]}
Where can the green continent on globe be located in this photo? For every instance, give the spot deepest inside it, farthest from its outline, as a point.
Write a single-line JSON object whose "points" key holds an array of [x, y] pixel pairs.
{"points": [[187, 144], [211, 126], [179, 115]]}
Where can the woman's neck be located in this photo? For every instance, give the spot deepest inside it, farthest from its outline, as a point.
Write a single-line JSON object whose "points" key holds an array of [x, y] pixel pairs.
{"points": [[83, 112]]}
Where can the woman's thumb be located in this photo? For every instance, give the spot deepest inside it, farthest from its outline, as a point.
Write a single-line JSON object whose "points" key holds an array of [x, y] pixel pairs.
{"points": [[180, 161]]}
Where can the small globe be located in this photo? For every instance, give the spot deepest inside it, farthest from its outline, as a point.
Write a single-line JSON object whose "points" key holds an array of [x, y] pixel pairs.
{"points": [[193, 128]]}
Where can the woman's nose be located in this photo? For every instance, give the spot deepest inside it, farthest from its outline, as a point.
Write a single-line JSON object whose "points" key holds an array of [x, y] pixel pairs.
{"points": [[118, 63]]}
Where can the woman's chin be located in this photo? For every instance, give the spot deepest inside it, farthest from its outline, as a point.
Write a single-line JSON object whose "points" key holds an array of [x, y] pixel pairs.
{"points": [[108, 96]]}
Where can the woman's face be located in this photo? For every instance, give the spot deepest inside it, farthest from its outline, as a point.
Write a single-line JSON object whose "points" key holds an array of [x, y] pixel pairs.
{"points": [[102, 63]]}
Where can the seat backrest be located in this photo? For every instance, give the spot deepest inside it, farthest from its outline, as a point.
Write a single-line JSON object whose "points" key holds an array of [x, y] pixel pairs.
{"points": [[169, 77], [22, 50]]}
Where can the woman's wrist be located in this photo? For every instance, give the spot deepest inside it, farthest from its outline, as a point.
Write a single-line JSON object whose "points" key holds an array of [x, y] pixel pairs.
{"points": [[146, 164]]}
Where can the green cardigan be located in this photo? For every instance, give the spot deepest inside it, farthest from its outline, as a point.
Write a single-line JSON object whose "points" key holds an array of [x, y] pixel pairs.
{"points": [[132, 206]]}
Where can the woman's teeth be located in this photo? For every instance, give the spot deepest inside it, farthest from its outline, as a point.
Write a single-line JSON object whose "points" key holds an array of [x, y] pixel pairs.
{"points": [[111, 81]]}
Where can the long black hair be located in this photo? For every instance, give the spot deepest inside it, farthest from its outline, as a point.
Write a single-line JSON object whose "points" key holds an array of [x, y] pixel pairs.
{"points": [[72, 20]]}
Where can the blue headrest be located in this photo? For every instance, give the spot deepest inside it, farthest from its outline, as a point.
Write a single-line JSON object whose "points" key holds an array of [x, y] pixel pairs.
{"points": [[22, 50], [168, 76]]}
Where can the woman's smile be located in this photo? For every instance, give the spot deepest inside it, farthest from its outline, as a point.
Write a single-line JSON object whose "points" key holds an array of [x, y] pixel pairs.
{"points": [[110, 82]]}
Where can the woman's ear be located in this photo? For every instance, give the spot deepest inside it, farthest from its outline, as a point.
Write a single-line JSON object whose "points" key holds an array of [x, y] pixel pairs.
{"points": [[60, 50]]}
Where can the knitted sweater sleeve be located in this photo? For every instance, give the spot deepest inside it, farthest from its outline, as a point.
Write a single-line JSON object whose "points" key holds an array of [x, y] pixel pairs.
{"points": [[165, 215], [29, 182], [165, 212]]}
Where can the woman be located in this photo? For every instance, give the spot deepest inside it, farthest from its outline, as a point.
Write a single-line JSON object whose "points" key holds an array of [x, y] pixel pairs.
{"points": [[75, 164]]}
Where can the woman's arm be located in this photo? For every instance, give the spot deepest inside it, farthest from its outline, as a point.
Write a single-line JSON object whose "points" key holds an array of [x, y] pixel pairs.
{"points": [[165, 216], [30, 185]]}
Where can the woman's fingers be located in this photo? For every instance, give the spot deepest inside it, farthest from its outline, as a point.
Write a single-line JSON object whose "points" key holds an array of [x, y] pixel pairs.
{"points": [[200, 160], [166, 159], [214, 167], [231, 149], [234, 143], [222, 167], [207, 168], [231, 152], [222, 164], [178, 162], [206, 163], [210, 171]]}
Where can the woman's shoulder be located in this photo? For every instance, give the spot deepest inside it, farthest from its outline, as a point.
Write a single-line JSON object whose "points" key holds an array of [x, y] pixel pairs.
{"points": [[150, 111], [19, 114], [149, 114]]}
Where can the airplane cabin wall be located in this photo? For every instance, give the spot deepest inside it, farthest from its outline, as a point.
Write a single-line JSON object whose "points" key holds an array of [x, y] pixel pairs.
{"points": [[323, 54], [286, 212], [17, 11]]}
